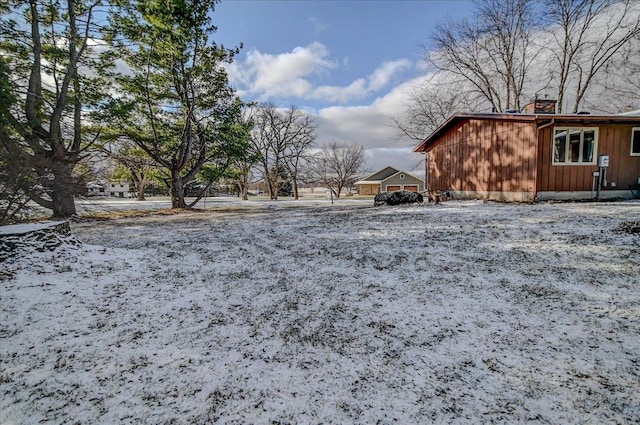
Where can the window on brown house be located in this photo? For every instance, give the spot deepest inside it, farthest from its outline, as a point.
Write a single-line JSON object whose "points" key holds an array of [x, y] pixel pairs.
{"points": [[574, 145], [635, 141]]}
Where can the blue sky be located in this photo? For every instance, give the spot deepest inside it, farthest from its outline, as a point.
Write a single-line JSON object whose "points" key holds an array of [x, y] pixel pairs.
{"points": [[347, 62]]}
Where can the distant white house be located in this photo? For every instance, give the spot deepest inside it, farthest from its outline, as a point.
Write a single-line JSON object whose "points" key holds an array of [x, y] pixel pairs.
{"points": [[113, 190]]}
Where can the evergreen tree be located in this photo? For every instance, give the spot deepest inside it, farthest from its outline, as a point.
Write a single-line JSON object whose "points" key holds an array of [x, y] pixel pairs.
{"points": [[174, 101], [46, 45]]}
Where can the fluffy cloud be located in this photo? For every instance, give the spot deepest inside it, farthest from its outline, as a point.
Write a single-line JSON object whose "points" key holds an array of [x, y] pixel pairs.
{"points": [[292, 74], [401, 158], [362, 87], [286, 74], [371, 126], [385, 73], [356, 90]]}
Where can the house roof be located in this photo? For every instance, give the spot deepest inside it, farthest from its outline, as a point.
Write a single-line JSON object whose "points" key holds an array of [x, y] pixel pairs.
{"points": [[379, 177], [539, 119]]}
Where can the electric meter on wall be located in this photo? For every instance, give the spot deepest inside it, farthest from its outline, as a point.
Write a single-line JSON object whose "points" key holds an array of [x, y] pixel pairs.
{"points": [[604, 161]]}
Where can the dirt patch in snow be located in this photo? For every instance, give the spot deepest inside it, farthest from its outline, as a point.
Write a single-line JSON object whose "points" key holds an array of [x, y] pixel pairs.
{"points": [[629, 227]]}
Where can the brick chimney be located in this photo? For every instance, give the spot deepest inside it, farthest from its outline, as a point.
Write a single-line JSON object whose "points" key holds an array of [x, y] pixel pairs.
{"points": [[540, 106]]}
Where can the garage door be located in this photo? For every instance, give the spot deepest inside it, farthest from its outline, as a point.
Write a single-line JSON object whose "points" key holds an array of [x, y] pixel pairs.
{"points": [[392, 188], [411, 187]]}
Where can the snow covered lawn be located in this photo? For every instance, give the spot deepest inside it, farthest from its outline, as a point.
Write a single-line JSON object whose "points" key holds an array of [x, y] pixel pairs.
{"points": [[464, 312]]}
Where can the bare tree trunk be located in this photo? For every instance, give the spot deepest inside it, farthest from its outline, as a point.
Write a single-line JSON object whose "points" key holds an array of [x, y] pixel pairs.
{"points": [[295, 187], [273, 190], [245, 187]]}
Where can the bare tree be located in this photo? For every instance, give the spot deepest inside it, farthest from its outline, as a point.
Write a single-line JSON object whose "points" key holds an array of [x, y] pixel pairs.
{"points": [[587, 35], [269, 146], [621, 79], [242, 172], [337, 166], [139, 165], [429, 104], [297, 151], [280, 139], [493, 52], [587, 50]]}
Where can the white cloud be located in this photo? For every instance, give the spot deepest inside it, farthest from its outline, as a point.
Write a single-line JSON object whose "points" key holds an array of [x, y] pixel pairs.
{"points": [[362, 87], [318, 25], [401, 158], [356, 90], [292, 74], [364, 125], [368, 125], [384, 74], [285, 74], [371, 126]]}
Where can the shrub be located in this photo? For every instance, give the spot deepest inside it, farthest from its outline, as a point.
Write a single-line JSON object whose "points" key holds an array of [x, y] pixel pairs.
{"points": [[397, 198]]}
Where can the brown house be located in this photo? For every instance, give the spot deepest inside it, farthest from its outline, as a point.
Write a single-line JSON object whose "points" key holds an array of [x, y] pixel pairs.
{"points": [[522, 157]]}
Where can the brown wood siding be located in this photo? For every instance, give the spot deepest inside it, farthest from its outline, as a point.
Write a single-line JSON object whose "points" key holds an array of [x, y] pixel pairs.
{"points": [[369, 189], [613, 140], [480, 155]]}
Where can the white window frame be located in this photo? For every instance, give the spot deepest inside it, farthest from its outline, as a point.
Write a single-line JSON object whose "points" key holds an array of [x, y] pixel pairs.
{"points": [[401, 176], [594, 155], [633, 131]]}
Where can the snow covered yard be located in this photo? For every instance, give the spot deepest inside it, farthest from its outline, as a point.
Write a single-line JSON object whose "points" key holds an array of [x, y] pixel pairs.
{"points": [[464, 312]]}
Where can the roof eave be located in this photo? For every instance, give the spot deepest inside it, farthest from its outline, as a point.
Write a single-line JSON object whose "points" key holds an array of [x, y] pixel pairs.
{"points": [[402, 172], [377, 172], [582, 118]]}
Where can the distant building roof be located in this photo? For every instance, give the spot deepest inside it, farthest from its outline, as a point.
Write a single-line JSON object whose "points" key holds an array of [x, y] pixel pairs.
{"points": [[384, 174]]}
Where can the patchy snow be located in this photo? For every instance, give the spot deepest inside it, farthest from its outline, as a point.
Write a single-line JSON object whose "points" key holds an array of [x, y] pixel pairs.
{"points": [[463, 312], [87, 206]]}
